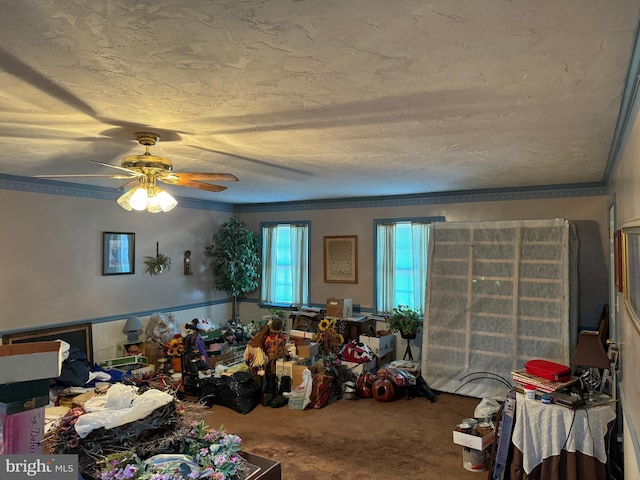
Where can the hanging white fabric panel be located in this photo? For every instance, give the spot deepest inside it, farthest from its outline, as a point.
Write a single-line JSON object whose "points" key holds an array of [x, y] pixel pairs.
{"points": [[498, 294]]}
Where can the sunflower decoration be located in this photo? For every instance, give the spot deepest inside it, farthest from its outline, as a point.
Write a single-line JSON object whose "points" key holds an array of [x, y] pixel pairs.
{"points": [[175, 346], [329, 339]]}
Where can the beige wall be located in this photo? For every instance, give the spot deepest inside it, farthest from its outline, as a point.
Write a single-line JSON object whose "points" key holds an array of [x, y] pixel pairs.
{"points": [[589, 213], [51, 263], [625, 187], [50, 248]]}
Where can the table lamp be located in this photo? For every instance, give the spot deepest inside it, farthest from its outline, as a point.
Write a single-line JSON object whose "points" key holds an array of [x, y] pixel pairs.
{"points": [[591, 356], [132, 329]]}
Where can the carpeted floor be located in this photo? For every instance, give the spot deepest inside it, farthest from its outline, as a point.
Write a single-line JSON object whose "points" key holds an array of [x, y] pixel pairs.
{"points": [[357, 439]]}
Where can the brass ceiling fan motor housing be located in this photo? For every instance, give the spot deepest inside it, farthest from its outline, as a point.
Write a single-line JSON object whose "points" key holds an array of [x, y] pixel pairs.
{"points": [[147, 160]]}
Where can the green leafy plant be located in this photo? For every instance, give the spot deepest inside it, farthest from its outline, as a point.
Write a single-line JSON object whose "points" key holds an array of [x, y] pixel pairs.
{"points": [[275, 313], [405, 320], [157, 265], [235, 261], [255, 326]]}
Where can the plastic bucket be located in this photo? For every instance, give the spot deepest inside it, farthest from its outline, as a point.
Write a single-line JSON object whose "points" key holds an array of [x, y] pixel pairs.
{"points": [[474, 460]]}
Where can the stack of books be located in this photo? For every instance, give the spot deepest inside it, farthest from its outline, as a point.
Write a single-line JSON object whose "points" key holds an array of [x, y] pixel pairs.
{"points": [[543, 385]]}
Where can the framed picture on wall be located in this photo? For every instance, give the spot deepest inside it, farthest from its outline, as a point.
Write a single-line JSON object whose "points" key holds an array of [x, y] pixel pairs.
{"points": [[118, 253], [341, 259], [630, 247], [617, 258]]}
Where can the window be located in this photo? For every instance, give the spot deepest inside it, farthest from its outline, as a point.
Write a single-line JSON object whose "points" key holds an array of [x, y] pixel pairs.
{"points": [[285, 263], [401, 263]]}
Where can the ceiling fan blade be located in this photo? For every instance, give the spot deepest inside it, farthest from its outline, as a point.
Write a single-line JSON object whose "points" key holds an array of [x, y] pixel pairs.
{"points": [[81, 175], [130, 184], [192, 184], [129, 171], [217, 177]]}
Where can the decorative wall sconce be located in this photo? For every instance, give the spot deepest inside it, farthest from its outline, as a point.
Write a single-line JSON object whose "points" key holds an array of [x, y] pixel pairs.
{"points": [[187, 262]]}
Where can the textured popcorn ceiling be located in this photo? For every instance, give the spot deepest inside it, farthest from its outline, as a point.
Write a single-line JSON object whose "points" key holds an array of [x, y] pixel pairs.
{"points": [[315, 99]]}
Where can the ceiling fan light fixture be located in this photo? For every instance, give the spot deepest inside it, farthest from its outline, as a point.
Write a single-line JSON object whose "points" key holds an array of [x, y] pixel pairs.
{"points": [[149, 198], [166, 201], [124, 200], [138, 200]]}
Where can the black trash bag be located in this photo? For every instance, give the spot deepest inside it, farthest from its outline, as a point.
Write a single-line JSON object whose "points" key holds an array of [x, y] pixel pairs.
{"points": [[239, 392]]}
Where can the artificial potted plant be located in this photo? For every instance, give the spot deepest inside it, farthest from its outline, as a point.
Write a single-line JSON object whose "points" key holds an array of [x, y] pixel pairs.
{"points": [[235, 262], [158, 264], [405, 320]]}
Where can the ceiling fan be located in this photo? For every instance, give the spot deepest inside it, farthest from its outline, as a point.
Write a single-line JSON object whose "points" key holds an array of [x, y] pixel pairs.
{"points": [[145, 170]]}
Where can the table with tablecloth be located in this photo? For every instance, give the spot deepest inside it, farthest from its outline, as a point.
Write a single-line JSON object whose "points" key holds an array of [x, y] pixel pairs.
{"points": [[555, 442]]}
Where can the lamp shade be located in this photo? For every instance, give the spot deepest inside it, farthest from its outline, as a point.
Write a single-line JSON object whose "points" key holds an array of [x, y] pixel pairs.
{"points": [[590, 351], [132, 329]]}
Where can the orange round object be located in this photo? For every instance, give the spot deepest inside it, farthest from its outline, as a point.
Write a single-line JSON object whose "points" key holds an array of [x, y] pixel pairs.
{"points": [[364, 385], [383, 390]]}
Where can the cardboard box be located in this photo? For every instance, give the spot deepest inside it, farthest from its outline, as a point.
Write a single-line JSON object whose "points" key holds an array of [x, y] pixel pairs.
{"points": [[301, 334], [124, 361], [398, 376], [22, 391], [300, 340], [379, 345], [23, 432], [7, 408], [224, 358], [339, 307], [473, 441], [20, 362], [309, 350], [80, 400], [384, 359], [359, 368], [267, 469], [293, 369], [131, 349]]}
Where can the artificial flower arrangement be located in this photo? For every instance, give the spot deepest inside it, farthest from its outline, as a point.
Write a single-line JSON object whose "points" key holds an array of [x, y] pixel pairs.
{"points": [[255, 326], [329, 340], [405, 320], [201, 453], [175, 346], [233, 333]]}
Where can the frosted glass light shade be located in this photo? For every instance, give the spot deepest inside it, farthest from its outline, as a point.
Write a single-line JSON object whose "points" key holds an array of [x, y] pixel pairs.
{"points": [[124, 200], [149, 198], [138, 200], [166, 201]]}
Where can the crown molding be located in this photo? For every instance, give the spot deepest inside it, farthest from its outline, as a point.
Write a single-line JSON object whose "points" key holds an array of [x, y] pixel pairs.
{"points": [[51, 187], [37, 185], [492, 195]]}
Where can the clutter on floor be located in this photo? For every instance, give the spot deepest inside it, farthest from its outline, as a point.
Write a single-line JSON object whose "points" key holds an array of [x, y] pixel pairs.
{"points": [[129, 410]]}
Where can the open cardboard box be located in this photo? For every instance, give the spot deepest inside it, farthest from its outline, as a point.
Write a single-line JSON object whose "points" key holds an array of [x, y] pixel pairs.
{"points": [[21, 362], [267, 469], [379, 345], [473, 441]]}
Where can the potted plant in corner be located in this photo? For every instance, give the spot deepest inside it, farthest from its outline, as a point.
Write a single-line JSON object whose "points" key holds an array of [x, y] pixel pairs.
{"points": [[235, 262], [407, 322]]}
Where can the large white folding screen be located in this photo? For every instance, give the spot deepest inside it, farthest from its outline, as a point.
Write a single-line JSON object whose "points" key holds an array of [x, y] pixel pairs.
{"points": [[498, 294]]}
